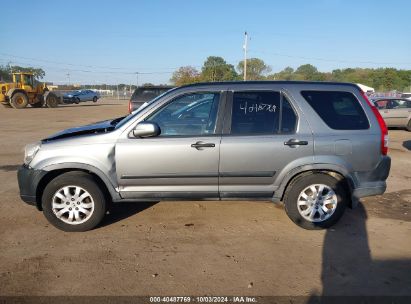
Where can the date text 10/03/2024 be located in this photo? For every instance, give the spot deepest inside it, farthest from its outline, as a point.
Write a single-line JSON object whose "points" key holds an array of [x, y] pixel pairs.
{"points": [[203, 299]]}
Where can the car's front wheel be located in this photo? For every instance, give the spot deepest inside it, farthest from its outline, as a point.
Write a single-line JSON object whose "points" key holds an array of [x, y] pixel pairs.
{"points": [[316, 201], [73, 201], [95, 99]]}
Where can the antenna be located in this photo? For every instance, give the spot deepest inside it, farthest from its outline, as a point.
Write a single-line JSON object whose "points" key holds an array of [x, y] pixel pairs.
{"points": [[245, 55]]}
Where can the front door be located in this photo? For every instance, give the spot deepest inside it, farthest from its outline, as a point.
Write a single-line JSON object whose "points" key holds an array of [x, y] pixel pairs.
{"points": [[262, 136], [182, 162]]}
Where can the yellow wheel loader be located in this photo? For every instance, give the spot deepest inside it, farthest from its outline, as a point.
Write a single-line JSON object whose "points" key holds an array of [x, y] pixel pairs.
{"points": [[24, 91]]}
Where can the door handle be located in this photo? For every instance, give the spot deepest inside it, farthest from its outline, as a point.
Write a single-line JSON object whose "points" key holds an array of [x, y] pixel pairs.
{"points": [[296, 142], [199, 145]]}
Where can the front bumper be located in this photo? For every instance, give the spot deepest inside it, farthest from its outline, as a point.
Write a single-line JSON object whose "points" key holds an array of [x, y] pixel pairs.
{"points": [[68, 99], [29, 179]]}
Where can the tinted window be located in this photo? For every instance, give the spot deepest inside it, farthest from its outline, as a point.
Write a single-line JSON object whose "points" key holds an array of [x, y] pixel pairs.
{"points": [[144, 94], [255, 113], [339, 110], [191, 114]]}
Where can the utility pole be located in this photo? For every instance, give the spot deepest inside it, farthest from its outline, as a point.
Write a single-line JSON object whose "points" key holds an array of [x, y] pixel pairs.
{"points": [[137, 79], [245, 55], [68, 78]]}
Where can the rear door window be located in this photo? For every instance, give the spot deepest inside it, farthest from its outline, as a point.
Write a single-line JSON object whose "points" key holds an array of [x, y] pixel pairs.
{"points": [[339, 110], [261, 112], [255, 113]]}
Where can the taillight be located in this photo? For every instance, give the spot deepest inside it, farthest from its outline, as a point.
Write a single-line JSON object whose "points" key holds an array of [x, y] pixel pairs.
{"points": [[381, 123], [129, 106]]}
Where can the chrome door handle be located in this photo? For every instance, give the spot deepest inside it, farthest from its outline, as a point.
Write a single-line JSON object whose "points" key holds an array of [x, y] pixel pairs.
{"points": [[199, 145], [296, 142]]}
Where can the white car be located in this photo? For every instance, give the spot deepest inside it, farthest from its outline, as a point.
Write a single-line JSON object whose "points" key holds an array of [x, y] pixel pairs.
{"points": [[406, 96]]}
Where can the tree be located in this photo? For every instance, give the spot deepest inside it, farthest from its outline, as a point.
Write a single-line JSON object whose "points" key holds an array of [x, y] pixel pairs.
{"points": [[307, 72], [256, 68], [286, 74], [6, 71], [217, 69], [37, 72], [5, 74], [185, 75]]}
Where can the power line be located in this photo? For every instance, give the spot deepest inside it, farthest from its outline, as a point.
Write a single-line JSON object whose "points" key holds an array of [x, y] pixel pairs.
{"points": [[327, 60], [64, 69]]}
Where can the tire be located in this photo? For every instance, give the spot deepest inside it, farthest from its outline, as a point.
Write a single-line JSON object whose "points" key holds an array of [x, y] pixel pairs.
{"points": [[19, 100], [296, 204], [409, 126], [89, 199], [52, 100], [95, 99], [77, 100]]}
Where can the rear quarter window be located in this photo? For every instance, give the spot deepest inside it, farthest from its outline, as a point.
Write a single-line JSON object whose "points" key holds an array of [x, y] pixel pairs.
{"points": [[339, 110]]}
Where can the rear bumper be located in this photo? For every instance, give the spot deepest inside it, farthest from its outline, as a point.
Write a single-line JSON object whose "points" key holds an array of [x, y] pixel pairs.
{"points": [[373, 182], [28, 179]]}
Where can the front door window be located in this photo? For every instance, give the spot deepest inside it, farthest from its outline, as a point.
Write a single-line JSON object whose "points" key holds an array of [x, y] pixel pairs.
{"points": [[188, 115]]}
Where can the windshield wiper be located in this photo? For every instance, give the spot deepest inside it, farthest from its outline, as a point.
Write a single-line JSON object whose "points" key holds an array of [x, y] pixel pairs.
{"points": [[117, 120]]}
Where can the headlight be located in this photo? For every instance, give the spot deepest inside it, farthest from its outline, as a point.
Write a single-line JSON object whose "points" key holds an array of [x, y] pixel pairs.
{"points": [[69, 95], [30, 151]]}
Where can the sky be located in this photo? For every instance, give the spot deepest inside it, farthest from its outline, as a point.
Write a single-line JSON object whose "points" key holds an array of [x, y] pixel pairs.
{"points": [[105, 41]]}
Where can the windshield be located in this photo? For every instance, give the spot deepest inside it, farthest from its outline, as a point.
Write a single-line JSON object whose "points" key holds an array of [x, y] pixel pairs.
{"points": [[118, 123]]}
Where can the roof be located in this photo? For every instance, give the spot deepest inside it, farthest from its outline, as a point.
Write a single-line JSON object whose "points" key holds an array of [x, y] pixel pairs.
{"points": [[388, 98], [270, 82], [29, 73], [156, 87]]}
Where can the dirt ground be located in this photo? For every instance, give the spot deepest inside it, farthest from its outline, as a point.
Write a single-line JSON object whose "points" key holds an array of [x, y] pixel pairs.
{"points": [[197, 248]]}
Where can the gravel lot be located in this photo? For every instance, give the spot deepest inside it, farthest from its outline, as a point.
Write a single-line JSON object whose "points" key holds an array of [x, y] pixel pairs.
{"points": [[197, 248]]}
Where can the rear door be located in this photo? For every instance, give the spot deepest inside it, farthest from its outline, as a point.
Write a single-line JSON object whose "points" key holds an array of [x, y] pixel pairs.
{"points": [[398, 112], [262, 134]]}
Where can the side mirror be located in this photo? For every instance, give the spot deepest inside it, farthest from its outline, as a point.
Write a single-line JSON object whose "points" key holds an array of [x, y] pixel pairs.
{"points": [[146, 129]]}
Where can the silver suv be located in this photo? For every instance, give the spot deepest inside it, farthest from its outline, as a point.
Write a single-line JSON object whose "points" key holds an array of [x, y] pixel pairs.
{"points": [[316, 147]]}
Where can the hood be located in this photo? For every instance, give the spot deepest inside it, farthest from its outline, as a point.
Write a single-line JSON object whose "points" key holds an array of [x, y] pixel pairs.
{"points": [[98, 127]]}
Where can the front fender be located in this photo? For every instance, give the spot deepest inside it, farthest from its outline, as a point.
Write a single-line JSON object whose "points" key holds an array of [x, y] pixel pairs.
{"points": [[109, 182], [11, 92]]}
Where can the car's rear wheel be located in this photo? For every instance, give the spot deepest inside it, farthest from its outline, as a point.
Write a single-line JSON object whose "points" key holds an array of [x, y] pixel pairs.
{"points": [[409, 126], [316, 201], [95, 99], [73, 201], [19, 100]]}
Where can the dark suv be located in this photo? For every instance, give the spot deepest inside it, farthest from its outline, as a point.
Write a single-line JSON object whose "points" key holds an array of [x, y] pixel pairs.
{"points": [[145, 94]]}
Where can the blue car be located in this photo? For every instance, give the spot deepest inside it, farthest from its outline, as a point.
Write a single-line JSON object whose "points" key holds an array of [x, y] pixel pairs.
{"points": [[81, 95]]}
